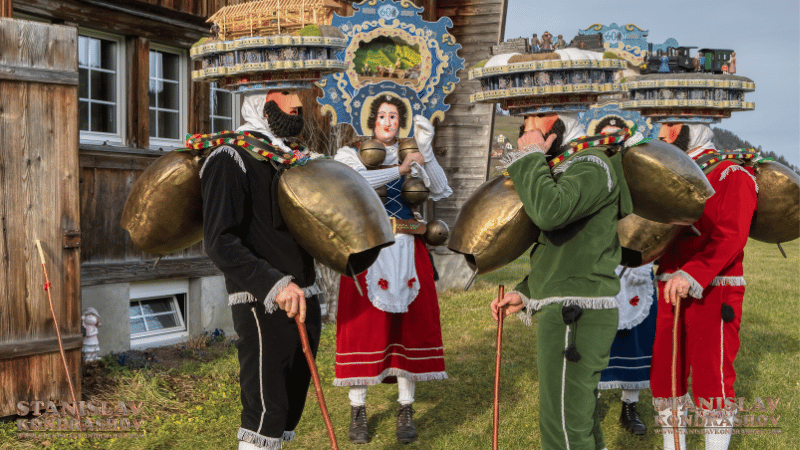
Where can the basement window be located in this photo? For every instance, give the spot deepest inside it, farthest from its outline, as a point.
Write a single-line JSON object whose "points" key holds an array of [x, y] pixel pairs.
{"points": [[157, 313]]}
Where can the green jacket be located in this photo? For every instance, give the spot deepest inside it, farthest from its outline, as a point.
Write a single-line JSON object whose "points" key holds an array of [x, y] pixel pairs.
{"points": [[577, 208]]}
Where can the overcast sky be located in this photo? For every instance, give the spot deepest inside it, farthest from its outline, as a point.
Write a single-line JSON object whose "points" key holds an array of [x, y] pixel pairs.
{"points": [[765, 36]]}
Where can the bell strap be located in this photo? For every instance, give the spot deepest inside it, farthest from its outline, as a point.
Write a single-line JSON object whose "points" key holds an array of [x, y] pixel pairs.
{"points": [[407, 226]]}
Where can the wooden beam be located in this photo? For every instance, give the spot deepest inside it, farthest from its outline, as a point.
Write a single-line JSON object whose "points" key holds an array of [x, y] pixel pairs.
{"points": [[138, 102], [6, 8], [126, 272], [126, 18], [39, 346], [37, 75]]}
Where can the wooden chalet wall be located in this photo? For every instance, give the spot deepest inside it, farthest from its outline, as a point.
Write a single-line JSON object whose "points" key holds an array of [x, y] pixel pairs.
{"points": [[463, 139]]}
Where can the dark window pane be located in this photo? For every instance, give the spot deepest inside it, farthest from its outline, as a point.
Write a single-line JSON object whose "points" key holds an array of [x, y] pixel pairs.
{"points": [[223, 103], [135, 310], [83, 114], [153, 130], [103, 86], [157, 305], [94, 53], [221, 124], [169, 97], [83, 83], [161, 322], [171, 66], [168, 125], [108, 55], [104, 118]]}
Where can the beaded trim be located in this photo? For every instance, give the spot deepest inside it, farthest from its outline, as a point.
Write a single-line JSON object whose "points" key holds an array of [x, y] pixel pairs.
{"points": [[299, 154], [584, 142], [712, 156]]}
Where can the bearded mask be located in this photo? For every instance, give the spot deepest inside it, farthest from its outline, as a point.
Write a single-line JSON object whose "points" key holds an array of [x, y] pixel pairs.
{"points": [[283, 125]]}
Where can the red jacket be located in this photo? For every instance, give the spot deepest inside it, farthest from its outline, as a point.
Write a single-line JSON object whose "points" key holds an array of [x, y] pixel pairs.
{"points": [[724, 227]]}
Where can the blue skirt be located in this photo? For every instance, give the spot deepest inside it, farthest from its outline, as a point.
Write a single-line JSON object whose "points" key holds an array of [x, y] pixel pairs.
{"points": [[629, 365]]}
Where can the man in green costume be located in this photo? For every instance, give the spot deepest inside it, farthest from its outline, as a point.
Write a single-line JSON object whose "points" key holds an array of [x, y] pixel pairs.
{"points": [[576, 197]]}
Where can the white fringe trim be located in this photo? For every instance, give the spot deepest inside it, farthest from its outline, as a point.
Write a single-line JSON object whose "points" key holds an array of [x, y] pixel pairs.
{"points": [[241, 297], [512, 157], [269, 302], [606, 385], [533, 305], [266, 443], [390, 372], [728, 281], [566, 164], [695, 290], [228, 150], [730, 169]]}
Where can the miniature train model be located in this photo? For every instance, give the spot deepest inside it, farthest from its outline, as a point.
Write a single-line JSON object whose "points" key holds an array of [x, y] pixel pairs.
{"points": [[710, 60]]}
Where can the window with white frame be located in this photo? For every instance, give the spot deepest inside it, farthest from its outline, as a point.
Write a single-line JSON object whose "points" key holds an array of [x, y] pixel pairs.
{"points": [[168, 96], [157, 313], [222, 105], [101, 76]]}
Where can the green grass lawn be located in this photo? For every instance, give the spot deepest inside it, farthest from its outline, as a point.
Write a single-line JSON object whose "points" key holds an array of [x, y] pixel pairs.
{"points": [[197, 406]]}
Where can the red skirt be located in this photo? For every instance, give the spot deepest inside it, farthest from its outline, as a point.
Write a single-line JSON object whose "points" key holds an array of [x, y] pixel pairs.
{"points": [[374, 346]]}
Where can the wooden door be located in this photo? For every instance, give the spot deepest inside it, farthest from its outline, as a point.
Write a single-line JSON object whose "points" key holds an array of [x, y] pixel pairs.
{"points": [[38, 200]]}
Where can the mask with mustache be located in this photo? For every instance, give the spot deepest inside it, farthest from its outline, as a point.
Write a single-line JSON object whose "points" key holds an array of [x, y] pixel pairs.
{"points": [[283, 125]]}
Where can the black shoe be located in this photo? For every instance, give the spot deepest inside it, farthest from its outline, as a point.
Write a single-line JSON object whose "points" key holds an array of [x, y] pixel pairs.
{"points": [[629, 419], [406, 432], [358, 433]]}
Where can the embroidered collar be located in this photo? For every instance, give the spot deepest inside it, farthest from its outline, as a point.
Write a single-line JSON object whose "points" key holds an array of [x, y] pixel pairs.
{"points": [[298, 156], [582, 143], [712, 156]]}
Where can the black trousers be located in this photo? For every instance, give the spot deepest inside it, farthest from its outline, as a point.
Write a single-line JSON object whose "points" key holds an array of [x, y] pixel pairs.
{"points": [[273, 373]]}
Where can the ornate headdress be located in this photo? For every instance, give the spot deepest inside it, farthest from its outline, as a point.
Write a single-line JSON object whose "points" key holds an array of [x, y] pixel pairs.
{"points": [[270, 44]]}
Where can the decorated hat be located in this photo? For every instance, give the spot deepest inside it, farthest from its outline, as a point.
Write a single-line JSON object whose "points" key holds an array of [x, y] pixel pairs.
{"points": [[566, 80], [688, 97], [270, 44]]}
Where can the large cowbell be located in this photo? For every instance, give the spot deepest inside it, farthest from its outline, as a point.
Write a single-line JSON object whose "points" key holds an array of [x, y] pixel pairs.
{"points": [[492, 228], [164, 210], [777, 217], [335, 215]]}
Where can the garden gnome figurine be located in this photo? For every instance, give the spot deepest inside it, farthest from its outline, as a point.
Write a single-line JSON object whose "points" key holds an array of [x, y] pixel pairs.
{"points": [[91, 321]]}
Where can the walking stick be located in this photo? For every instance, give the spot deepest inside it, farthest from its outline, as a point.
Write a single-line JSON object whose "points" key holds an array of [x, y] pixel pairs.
{"points": [[55, 325], [675, 418], [496, 417], [301, 327]]}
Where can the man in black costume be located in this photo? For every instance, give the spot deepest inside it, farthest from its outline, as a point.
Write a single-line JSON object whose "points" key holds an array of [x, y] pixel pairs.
{"points": [[268, 276]]}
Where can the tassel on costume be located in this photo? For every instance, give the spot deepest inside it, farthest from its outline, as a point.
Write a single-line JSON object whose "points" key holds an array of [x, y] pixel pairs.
{"points": [[727, 313]]}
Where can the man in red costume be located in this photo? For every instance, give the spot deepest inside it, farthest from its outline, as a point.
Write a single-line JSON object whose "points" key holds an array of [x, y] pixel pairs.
{"points": [[705, 272]]}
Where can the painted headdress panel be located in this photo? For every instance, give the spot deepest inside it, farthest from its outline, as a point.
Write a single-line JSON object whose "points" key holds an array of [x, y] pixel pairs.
{"points": [[391, 51]]}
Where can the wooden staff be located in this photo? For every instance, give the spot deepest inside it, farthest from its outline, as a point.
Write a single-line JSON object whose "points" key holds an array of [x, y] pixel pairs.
{"points": [[315, 376], [58, 332], [675, 417], [496, 412]]}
